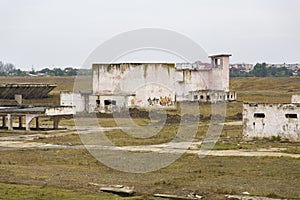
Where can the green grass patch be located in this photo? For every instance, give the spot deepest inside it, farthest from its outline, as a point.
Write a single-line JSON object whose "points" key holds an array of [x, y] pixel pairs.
{"points": [[292, 150], [18, 191]]}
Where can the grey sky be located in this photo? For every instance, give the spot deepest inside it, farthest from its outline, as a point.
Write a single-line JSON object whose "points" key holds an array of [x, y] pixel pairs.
{"points": [[46, 33]]}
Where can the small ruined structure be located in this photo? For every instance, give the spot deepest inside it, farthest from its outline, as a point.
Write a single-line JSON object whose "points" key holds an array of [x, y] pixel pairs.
{"points": [[295, 99], [267, 120], [123, 85], [27, 91], [55, 113], [80, 101]]}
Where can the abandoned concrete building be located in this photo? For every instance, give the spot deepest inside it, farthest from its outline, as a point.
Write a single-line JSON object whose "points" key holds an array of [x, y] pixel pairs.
{"points": [[55, 113], [267, 120], [122, 85]]}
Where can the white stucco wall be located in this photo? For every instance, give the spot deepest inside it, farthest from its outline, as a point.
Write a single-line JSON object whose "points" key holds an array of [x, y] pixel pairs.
{"points": [[267, 120], [156, 80], [73, 99]]}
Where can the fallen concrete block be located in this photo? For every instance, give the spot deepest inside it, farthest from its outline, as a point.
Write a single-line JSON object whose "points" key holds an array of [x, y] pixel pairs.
{"points": [[119, 189], [170, 196]]}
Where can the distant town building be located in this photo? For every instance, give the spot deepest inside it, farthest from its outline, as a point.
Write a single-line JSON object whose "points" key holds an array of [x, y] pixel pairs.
{"points": [[288, 66], [242, 67]]}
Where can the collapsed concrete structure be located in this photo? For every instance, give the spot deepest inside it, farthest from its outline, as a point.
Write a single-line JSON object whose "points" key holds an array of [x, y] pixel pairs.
{"points": [[121, 85], [55, 113], [18, 92], [26, 90], [267, 120]]}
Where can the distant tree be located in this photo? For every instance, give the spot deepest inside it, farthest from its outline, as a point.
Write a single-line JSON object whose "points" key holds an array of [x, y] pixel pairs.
{"points": [[69, 71], [45, 71], [32, 71], [18, 72], [84, 72], [6, 69], [58, 72], [260, 70]]}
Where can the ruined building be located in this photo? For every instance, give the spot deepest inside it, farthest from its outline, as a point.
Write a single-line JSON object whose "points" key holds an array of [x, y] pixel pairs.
{"points": [[122, 85], [265, 120]]}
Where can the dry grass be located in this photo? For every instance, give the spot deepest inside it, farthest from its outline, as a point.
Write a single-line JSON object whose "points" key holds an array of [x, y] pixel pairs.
{"points": [[71, 170], [270, 89]]}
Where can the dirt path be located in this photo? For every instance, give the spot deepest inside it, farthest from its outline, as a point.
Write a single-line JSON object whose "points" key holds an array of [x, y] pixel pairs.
{"points": [[26, 142]]}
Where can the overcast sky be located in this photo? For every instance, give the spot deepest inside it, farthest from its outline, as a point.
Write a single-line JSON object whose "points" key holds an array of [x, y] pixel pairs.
{"points": [[47, 33]]}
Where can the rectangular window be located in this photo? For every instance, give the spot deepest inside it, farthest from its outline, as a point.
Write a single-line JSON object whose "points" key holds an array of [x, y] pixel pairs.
{"points": [[195, 97], [259, 115], [107, 102], [291, 116], [113, 102]]}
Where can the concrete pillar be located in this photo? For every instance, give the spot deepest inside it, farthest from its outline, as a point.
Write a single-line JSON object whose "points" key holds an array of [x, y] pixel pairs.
{"points": [[18, 98], [20, 122], [55, 122], [29, 118], [9, 122], [37, 123], [3, 121]]}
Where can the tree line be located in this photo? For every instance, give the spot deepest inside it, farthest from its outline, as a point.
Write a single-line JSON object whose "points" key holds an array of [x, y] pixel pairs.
{"points": [[8, 69], [261, 70]]}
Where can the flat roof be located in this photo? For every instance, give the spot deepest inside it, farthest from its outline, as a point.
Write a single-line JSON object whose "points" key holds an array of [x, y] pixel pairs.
{"points": [[220, 55], [27, 90], [136, 62]]}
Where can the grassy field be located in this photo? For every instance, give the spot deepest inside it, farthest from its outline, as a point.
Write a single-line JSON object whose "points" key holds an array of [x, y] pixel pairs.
{"points": [[269, 90], [73, 170], [66, 173]]}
